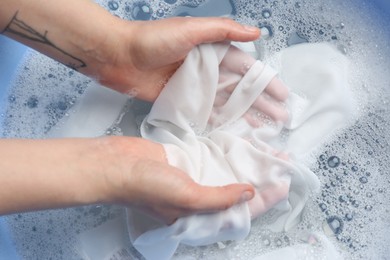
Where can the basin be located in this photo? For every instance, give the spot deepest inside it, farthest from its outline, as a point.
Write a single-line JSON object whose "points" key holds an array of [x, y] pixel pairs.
{"points": [[353, 206]]}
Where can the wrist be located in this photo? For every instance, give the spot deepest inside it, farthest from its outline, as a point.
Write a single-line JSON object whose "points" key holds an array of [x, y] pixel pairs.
{"points": [[120, 159]]}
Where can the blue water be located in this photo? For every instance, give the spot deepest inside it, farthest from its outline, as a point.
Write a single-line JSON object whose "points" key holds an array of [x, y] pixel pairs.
{"points": [[11, 53]]}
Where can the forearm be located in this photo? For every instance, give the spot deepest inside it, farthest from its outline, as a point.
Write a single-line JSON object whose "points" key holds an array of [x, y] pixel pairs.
{"points": [[42, 174], [73, 32]]}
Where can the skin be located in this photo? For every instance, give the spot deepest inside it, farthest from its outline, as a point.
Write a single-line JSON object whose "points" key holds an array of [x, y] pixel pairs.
{"points": [[130, 57]]}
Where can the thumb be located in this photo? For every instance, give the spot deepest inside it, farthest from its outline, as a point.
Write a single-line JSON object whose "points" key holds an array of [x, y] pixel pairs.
{"points": [[211, 199], [203, 30]]}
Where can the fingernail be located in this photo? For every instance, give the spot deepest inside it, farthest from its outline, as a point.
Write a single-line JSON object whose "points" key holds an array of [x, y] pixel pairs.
{"points": [[251, 28], [245, 196]]}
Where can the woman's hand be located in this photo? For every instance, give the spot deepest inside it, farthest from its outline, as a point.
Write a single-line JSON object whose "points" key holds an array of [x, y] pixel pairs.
{"points": [[131, 57], [148, 53], [58, 173], [143, 179], [268, 106]]}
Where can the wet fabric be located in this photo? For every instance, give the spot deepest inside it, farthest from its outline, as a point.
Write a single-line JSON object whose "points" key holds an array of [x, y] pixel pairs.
{"points": [[218, 146], [229, 150]]}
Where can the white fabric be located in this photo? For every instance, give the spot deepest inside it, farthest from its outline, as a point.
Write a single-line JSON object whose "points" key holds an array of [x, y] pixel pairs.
{"points": [[221, 154], [227, 149], [98, 109]]}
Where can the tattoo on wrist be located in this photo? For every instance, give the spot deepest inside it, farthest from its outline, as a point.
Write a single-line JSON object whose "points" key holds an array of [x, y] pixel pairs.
{"points": [[19, 28]]}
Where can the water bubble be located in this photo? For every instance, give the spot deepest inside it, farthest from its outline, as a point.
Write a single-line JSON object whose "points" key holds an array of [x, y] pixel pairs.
{"points": [[335, 224], [297, 5], [368, 207], [266, 242], [348, 216], [343, 49], [354, 168], [355, 203], [343, 198], [322, 157], [170, 1], [62, 105], [245, 68], [32, 102], [323, 207], [281, 28], [278, 242], [132, 92], [264, 33], [363, 180], [266, 13], [113, 5], [333, 161], [160, 13], [268, 29], [141, 11], [12, 98]]}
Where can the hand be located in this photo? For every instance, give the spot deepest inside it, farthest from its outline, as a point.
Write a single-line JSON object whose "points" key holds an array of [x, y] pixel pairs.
{"points": [[146, 54], [147, 182], [269, 105], [135, 57]]}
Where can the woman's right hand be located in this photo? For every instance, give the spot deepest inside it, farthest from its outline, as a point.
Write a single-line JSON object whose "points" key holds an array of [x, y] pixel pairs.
{"points": [[142, 178]]}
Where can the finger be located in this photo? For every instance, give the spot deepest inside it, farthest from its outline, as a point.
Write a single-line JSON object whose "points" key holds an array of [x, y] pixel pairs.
{"points": [[161, 214], [211, 199], [253, 120], [282, 155], [277, 89], [267, 198], [269, 107], [237, 61], [221, 98], [202, 30]]}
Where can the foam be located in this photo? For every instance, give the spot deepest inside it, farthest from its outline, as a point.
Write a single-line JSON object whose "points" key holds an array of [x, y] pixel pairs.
{"points": [[360, 207]]}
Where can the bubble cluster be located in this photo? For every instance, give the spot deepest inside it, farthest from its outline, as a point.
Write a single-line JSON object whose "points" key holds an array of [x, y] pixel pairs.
{"points": [[352, 207], [52, 234]]}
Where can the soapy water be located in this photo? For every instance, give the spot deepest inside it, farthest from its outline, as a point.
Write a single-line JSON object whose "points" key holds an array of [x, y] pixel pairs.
{"points": [[352, 208]]}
